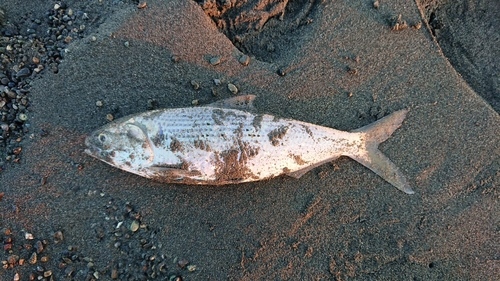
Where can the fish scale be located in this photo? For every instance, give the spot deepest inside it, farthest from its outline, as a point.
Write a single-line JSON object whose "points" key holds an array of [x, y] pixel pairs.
{"points": [[218, 144]]}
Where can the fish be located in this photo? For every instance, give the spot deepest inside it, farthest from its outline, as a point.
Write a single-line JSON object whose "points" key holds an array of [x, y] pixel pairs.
{"points": [[228, 143]]}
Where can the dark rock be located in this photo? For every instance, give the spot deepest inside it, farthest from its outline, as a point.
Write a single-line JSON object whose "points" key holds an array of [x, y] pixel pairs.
{"points": [[24, 72]]}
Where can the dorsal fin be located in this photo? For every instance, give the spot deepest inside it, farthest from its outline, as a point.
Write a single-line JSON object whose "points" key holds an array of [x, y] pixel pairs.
{"points": [[239, 102]]}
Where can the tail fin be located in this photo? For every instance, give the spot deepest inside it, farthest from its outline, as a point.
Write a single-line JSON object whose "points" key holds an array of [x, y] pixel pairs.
{"points": [[373, 159]]}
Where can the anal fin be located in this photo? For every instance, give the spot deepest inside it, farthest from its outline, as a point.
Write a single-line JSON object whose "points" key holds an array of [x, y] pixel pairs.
{"points": [[299, 173]]}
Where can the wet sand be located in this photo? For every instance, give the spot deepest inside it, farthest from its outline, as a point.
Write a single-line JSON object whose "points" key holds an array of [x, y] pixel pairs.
{"points": [[342, 66]]}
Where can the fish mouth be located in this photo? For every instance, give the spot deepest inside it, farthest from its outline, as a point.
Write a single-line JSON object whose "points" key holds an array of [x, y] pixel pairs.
{"points": [[91, 149]]}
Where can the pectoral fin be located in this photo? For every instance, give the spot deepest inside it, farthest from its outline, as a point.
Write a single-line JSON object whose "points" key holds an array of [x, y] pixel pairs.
{"points": [[172, 173]]}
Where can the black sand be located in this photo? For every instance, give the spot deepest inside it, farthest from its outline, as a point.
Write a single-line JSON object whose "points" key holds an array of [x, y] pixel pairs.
{"points": [[344, 69]]}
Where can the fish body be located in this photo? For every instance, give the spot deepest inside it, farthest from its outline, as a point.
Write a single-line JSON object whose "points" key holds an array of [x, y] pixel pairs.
{"points": [[220, 144]]}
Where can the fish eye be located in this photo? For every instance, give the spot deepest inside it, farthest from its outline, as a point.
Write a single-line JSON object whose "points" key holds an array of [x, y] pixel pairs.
{"points": [[102, 137]]}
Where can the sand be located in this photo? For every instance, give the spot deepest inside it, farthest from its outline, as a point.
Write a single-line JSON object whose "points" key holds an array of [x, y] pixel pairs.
{"points": [[341, 66]]}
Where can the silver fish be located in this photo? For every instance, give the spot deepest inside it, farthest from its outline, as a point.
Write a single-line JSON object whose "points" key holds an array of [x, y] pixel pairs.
{"points": [[221, 144]]}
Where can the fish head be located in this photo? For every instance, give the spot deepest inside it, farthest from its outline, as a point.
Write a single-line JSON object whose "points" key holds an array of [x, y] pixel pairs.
{"points": [[123, 145]]}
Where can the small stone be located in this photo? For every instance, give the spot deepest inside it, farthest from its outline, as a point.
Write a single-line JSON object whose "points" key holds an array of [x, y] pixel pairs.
{"points": [[39, 68], [44, 259], [69, 271], [58, 236], [38, 246], [217, 82], [399, 24], [57, 6], [142, 5], [182, 263], [35, 60], [114, 273], [191, 268], [215, 60], [232, 88], [24, 72], [23, 117], [11, 94], [93, 38], [134, 226], [126, 44], [17, 277], [194, 102], [28, 236], [47, 273], [33, 258], [376, 4], [68, 39], [12, 259], [5, 81], [244, 60], [98, 103], [109, 117], [174, 58], [195, 84]]}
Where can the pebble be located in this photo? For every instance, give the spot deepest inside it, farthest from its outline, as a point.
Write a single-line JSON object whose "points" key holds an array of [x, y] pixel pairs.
{"points": [[215, 61], [244, 60], [114, 273], [58, 236], [217, 82], [232, 88], [33, 258], [109, 117], [126, 44], [195, 84], [17, 277], [24, 72], [28, 236], [38, 246], [98, 103], [23, 117], [134, 226], [182, 263]]}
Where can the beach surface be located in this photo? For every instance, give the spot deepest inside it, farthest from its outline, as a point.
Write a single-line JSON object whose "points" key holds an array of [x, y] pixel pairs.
{"points": [[340, 64]]}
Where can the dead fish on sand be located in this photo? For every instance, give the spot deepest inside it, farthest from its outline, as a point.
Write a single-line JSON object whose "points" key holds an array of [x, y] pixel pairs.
{"points": [[222, 144]]}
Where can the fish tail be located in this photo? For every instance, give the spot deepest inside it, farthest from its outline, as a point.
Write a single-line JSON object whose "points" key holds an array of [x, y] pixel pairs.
{"points": [[374, 159]]}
